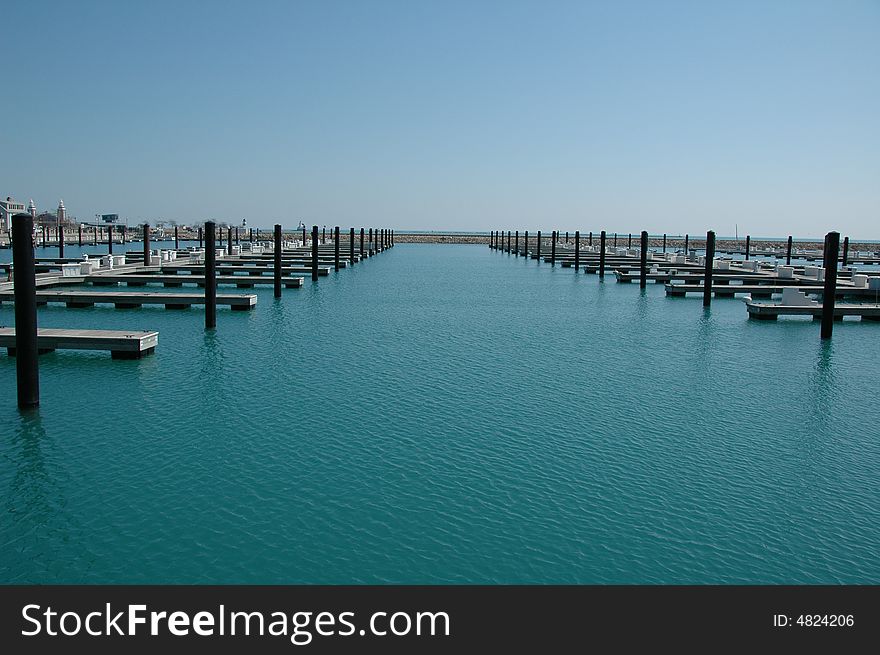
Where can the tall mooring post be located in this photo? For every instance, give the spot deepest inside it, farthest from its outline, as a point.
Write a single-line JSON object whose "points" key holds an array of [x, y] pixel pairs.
{"points": [[845, 250], [577, 250], [788, 252], [176, 238], [314, 253], [707, 271], [602, 255], [362, 243], [526, 243], [664, 242], [351, 247], [80, 235], [228, 240], [832, 249], [146, 244], [210, 276], [685, 245], [110, 239], [60, 241], [643, 262], [538, 251], [553, 249], [336, 248], [748, 241], [27, 371], [629, 244], [277, 261], [516, 244], [201, 238]]}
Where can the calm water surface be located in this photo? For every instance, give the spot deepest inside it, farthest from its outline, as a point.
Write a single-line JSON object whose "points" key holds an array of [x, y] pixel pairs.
{"points": [[448, 414]]}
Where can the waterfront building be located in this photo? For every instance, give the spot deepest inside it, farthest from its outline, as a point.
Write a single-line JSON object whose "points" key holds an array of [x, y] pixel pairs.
{"points": [[8, 208]]}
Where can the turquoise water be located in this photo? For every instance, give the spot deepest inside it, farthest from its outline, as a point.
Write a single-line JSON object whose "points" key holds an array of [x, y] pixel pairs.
{"points": [[449, 414]]}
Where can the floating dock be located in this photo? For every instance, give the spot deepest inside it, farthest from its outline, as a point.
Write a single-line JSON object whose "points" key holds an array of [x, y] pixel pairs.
{"points": [[132, 344], [134, 280], [129, 299], [772, 311]]}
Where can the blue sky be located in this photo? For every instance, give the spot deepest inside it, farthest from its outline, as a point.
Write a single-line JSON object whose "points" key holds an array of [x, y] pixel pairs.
{"points": [[665, 116]]}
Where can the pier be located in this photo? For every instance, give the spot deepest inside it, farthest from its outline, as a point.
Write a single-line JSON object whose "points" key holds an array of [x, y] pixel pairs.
{"points": [[130, 299], [121, 344], [682, 273]]}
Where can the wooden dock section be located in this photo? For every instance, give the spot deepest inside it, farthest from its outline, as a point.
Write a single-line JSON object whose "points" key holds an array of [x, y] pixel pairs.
{"points": [[772, 311], [766, 290], [224, 268], [122, 344], [129, 300], [139, 280]]}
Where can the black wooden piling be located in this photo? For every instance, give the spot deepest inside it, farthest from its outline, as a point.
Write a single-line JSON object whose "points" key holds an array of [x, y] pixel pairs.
{"points": [[362, 243], [277, 261], [832, 247], [643, 262], [351, 247], [686, 245], [109, 239], [553, 249], [615, 239], [304, 235], [508, 242], [591, 239], [324, 234], [491, 236], [707, 271], [228, 240], [538, 252], [629, 243], [176, 239], [602, 255], [146, 244], [516, 244], [664, 243], [336, 248], [27, 371], [748, 240], [237, 241], [210, 277], [314, 253], [200, 238], [566, 237], [526, 243], [845, 250], [788, 252], [370, 241], [95, 236], [80, 235], [577, 250], [61, 242]]}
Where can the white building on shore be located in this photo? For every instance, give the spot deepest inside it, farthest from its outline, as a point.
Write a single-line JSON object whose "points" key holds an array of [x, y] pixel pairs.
{"points": [[9, 208]]}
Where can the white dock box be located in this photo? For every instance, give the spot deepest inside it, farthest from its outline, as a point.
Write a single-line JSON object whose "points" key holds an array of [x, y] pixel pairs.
{"points": [[70, 270]]}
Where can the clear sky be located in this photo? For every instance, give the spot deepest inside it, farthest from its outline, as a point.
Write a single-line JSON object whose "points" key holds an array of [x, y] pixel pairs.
{"points": [[665, 116]]}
